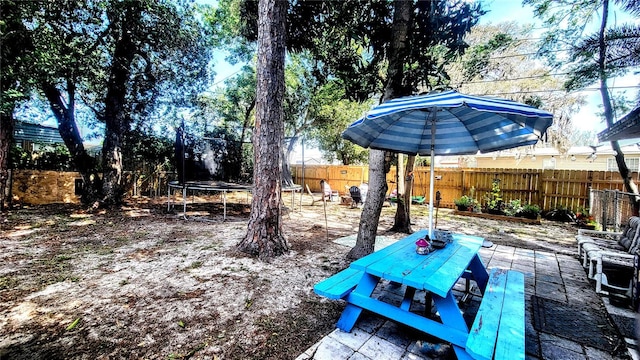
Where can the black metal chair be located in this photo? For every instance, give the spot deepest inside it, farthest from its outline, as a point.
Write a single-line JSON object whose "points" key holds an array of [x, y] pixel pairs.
{"points": [[356, 197]]}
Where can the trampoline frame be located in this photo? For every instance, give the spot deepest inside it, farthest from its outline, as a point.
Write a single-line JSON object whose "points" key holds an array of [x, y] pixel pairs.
{"points": [[214, 186]]}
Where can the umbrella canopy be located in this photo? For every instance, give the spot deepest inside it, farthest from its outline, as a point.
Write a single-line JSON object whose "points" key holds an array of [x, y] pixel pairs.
{"points": [[448, 123], [464, 125]]}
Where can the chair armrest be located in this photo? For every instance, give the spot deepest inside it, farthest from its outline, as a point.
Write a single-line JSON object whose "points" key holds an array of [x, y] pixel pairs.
{"points": [[616, 254], [598, 233], [616, 258], [606, 241]]}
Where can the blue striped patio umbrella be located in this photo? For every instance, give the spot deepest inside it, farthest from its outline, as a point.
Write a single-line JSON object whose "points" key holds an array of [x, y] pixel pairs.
{"points": [[448, 123]]}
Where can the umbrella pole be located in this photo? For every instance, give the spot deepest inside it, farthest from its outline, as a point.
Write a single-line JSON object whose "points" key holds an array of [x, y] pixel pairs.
{"points": [[431, 176], [431, 171]]}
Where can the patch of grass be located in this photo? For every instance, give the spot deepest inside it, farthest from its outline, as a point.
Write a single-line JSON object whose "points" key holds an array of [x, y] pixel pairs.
{"points": [[63, 257], [213, 246], [121, 239], [104, 251], [55, 269], [195, 265], [7, 282], [236, 269], [57, 262], [140, 234], [62, 277]]}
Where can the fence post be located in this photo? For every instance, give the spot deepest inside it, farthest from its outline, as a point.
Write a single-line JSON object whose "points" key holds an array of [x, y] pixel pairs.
{"points": [[605, 208], [617, 212], [463, 182], [542, 197], [592, 204]]}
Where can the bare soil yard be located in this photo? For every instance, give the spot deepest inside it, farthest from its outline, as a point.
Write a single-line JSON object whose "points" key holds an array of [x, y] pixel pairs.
{"points": [[144, 283]]}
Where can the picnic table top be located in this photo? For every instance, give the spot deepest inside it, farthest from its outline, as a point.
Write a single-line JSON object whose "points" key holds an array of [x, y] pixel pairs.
{"points": [[436, 272]]}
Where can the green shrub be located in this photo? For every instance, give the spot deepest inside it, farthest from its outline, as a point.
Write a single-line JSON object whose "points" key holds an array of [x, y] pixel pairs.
{"points": [[494, 198], [530, 211], [464, 200], [513, 207]]}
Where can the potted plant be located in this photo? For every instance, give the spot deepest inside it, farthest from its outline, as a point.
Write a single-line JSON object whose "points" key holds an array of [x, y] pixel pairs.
{"points": [[463, 203], [585, 220], [529, 211], [513, 207], [494, 199], [592, 225]]}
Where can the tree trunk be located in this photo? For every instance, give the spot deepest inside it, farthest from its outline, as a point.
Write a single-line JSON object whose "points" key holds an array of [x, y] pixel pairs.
{"points": [[629, 185], [403, 212], [17, 46], [6, 139], [372, 207], [68, 129], [265, 237], [116, 119], [245, 126], [287, 178], [378, 161]]}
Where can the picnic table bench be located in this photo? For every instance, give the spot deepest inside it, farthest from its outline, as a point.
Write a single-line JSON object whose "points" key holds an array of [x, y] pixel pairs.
{"points": [[339, 285], [498, 328]]}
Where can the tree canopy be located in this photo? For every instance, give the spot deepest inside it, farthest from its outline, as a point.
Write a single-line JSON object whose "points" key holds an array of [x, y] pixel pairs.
{"points": [[126, 61], [139, 68], [593, 56]]}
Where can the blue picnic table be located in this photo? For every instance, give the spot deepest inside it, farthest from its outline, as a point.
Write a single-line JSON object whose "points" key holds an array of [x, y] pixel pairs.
{"points": [[493, 335]]}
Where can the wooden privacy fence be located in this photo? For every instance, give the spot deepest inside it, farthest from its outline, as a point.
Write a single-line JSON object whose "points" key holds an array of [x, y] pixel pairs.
{"points": [[549, 189]]}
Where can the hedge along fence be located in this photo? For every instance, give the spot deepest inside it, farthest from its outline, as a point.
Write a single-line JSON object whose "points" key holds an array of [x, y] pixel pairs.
{"points": [[549, 189]]}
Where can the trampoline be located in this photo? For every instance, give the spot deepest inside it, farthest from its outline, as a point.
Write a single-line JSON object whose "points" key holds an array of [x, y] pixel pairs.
{"points": [[213, 186], [194, 170]]}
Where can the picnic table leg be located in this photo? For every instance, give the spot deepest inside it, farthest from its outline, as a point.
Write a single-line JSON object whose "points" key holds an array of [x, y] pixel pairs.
{"points": [[451, 316], [428, 299], [479, 272], [408, 298], [449, 311], [351, 312]]}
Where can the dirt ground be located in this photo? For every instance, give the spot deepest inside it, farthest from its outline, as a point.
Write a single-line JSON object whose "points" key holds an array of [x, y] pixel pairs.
{"points": [[143, 283]]}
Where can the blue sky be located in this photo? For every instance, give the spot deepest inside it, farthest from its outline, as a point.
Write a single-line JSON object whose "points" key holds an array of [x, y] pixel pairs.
{"points": [[505, 10]]}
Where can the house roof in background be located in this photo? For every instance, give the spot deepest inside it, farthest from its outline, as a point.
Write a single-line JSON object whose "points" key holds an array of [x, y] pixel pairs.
{"points": [[36, 133], [604, 149], [626, 128]]}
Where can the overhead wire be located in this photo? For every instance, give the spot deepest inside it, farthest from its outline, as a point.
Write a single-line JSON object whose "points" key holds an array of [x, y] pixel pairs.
{"points": [[562, 90]]}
